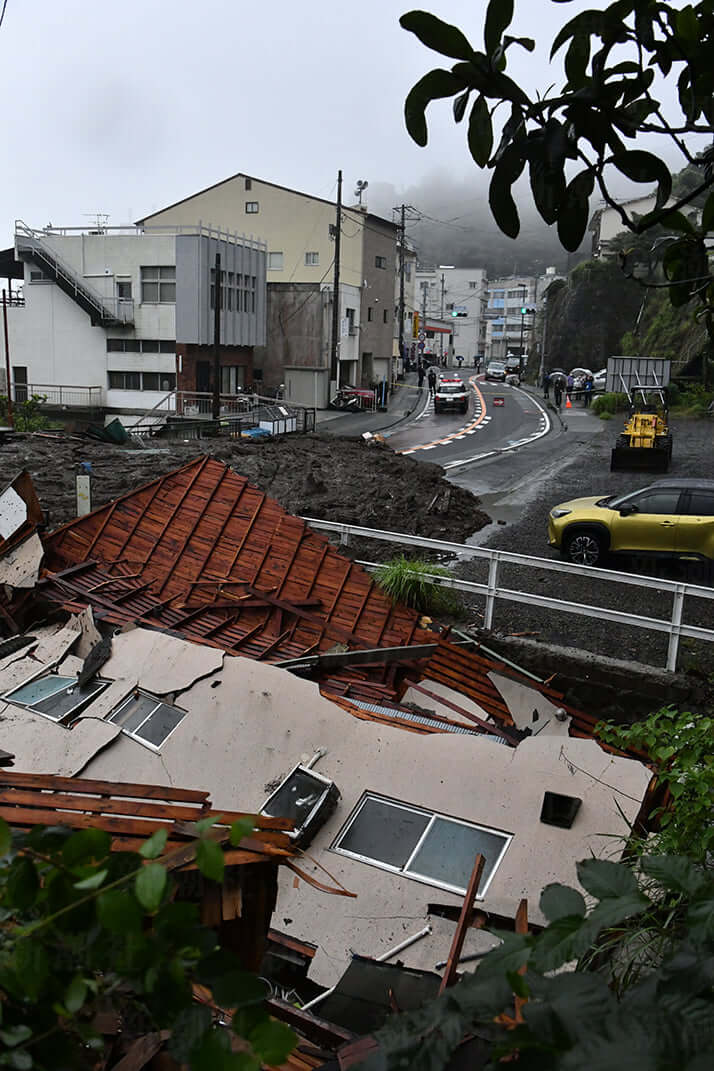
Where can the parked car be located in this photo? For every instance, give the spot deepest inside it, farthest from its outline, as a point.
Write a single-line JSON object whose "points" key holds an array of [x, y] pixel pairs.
{"points": [[668, 519], [513, 364], [600, 381], [496, 370], [451, 393]]}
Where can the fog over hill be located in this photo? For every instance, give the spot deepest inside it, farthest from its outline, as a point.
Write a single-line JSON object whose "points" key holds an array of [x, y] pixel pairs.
{"points": [[456, 227]]}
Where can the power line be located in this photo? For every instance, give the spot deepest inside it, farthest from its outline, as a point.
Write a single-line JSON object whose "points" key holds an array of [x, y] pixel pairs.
{"points": [[2, 13]]}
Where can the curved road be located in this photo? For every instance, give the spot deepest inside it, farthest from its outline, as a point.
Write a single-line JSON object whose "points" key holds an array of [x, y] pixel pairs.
{"points": [[499, 419]]}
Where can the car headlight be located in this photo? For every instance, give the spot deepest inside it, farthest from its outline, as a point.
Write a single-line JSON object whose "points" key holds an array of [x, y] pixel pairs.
{"points": [[559, 512]]}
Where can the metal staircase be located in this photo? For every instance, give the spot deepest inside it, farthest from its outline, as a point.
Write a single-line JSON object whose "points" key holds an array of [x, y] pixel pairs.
{"points": [[102, 311]]}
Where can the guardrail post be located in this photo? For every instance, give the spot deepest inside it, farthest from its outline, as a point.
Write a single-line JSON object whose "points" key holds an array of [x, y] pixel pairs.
{"points": [[675, 628], [491, 596], [345, 535]]}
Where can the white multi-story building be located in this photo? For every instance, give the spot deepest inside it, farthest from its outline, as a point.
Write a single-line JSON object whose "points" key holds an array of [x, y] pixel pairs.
{"points": [[510, 316], [457, 297], [114, 318]]}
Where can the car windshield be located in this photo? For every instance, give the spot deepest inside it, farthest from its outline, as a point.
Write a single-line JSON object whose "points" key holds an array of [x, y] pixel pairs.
{"points": [[451, 388], [496, 367], [615, 501]]}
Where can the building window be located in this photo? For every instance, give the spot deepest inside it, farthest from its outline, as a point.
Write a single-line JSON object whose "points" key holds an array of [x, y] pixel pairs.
{"points": [[37, 276], [380, 262], [145, 718], [519, 294], [251, 208], [472, 284], [385, 315], [312, 259], [369, 313], [164, 381], [249, 184], [275, 261], [408, 272], [55, 697], [232, 379], [420, 844], [140, 345], [350, 314], [124, 289], [158, 285]]}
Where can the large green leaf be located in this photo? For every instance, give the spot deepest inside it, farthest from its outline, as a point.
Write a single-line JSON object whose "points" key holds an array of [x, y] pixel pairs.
{"points": [[75, 994], [187, 1029], [23, 883], [150, 885], [574, 211], [603, 879], [708, 214], [87, 845], [643, 166], [433, 86], [273, 1041], [119, 912], [503, 207], [677, 873], [480, 134], [557, 900], [576, 60], [554, 946], [209, 859], [154, 846], [440, 36], [499, 15], [32, 966]]}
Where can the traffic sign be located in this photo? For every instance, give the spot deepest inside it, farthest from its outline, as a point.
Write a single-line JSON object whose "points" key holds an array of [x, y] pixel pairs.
{"points": [[420, 346], [422, 336]]}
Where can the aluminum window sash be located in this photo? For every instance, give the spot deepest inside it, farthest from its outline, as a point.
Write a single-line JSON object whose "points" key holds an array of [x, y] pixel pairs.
{"points": [[355, 814], [507, 837], [133, 732], [318, 777]]}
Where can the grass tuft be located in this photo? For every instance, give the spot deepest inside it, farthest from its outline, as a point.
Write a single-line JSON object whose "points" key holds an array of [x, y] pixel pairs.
{"points": [[405, 580]]}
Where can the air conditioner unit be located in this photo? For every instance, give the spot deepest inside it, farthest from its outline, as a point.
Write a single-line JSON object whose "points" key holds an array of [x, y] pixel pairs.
{"points": [[307, 799]]}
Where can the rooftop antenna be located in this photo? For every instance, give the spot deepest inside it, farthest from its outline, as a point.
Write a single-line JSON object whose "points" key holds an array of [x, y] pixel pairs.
{"points": [[99, 221], [362, 185]]}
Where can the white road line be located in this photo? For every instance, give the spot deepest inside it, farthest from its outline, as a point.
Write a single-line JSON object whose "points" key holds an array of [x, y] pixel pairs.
{"points": [[512, 446]]}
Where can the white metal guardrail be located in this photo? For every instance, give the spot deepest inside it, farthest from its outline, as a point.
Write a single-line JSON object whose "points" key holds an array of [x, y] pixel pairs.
{"points": [[674, 626]]}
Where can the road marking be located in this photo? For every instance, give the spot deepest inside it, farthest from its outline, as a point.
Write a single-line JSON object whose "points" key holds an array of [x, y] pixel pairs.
{"points": [[480, 418], [543, 430]]}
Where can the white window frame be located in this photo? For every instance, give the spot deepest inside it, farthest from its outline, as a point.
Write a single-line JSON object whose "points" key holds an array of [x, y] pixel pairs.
{"points": [[252, 208], [276, 253], [133, 732], [70, 714], [312, 259], [404, 871], [147, 278]]}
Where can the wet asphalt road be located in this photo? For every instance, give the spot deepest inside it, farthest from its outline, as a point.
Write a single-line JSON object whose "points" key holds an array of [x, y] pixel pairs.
{"points": [[498, 418]]}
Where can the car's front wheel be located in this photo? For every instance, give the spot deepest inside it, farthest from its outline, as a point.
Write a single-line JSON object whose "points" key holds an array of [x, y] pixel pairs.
{"points": [[584, 547]]}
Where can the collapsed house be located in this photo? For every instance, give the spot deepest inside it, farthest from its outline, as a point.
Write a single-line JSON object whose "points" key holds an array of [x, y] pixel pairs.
{"points": [[193, 633]]}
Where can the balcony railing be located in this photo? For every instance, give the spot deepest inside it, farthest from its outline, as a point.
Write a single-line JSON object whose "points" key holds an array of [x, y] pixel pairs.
{"points": [[59, 395]]}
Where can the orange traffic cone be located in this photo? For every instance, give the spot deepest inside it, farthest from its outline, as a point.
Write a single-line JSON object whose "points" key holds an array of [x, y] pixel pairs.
{"points": [[568, 403]]}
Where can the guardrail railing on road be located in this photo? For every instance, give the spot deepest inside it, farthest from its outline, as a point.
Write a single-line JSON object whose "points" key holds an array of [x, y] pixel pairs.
{"points": [[674, 626]]}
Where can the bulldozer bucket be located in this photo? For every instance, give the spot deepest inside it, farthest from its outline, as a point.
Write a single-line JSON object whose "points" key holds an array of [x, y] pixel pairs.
{"points": [[639, 459]]}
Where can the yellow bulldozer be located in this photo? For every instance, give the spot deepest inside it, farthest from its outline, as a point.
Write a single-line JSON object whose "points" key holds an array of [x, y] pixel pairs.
{"points": [[645, 442]]}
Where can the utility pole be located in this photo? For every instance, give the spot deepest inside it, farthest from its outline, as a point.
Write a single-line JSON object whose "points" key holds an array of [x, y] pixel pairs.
{"points": [[441, 317], [402, 259], [10, 419], [334, 365], [217, 341]]}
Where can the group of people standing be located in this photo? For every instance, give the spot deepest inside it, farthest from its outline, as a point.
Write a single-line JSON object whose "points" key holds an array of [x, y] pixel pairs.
{"points": [[560, 382]]}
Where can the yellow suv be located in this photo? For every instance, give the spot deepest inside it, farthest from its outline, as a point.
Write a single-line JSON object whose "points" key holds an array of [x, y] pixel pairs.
{"points": [[670, 518]]}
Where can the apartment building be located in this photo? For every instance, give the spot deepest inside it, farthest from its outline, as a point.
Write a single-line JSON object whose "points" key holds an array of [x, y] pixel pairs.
{"points": [[122, 315], [458, 297], [299, 231], [510, 316]]}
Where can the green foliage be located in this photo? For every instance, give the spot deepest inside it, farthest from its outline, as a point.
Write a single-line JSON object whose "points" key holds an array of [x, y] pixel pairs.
{"points": [[640, 996], [85, 930], [590, 117], [407, 580], [26, 415], [606, 405], [679, 743]]}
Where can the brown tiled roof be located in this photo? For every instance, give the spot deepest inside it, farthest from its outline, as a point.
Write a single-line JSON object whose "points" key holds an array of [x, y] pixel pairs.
{"points": [[132, 812], [204, 552]]}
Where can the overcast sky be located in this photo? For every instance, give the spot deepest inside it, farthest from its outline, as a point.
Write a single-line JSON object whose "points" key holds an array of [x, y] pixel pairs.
{"points": [[124, 108]]}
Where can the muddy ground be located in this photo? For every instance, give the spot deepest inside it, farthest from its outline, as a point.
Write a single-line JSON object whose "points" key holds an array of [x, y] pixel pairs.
{"points": [[312, 475]]}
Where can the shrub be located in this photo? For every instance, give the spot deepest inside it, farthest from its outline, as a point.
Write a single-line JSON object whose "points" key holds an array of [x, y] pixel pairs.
{"points": [[609, 403], [406, 580], [26, 415]]}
